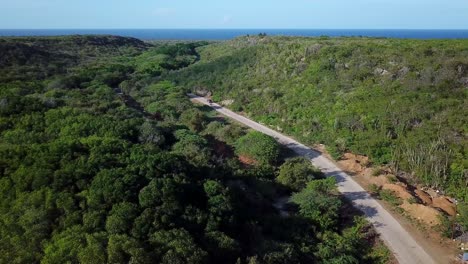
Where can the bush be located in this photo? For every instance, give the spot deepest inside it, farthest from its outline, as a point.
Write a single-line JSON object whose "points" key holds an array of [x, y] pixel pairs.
{"points": [[374, 189], [258, 146], [295, 173], [445, 226], [317, 203]]}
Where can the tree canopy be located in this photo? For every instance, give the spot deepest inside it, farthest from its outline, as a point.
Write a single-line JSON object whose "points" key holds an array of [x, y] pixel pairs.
{"points": [[258, 146]]}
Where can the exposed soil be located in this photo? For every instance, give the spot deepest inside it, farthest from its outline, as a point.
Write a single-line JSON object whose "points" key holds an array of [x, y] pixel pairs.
{"points": [[424, 197], [426, 212], [247, 161], [445, 205], [357, 166], [399, 190], [354, 163], [422, 213]]}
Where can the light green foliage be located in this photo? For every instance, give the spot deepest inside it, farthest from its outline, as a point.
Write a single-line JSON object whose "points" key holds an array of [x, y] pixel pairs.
{"points": [[297, 172], [336, 248], [228, 133], [389, 196], [374, 189], [258, 146], [94, 251], [317, 204], [192, 146], [65, 246], [399, 101]]}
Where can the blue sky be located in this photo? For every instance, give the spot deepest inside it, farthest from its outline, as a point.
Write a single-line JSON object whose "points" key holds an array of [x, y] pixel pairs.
{"points": [[323, 14]]}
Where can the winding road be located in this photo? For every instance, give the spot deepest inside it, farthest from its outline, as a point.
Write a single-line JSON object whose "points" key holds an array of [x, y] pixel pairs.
{"points": [[400, 242]]}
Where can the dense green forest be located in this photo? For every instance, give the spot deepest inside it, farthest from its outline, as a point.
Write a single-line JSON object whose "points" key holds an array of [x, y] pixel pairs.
{"points": [[89, 174], [401, 102]]}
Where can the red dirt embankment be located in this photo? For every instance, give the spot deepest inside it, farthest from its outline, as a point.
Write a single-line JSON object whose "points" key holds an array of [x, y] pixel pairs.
{"points": [[445, 205], [432, 204], [426, 212], [423, 196]]}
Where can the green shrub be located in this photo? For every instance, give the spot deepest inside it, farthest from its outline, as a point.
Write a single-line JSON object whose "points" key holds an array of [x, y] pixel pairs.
{"points": [[374, 189], [412, 200], [445, 227], [295, 173], [376, 172], [390, 197], [258, 146]]}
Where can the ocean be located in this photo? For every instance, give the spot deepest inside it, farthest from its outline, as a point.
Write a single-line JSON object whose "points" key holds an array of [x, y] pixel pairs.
{"points": [[224, 34]]}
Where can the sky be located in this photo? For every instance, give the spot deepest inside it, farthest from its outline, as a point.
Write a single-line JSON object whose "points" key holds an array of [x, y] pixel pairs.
{"points": [[239, 14]]}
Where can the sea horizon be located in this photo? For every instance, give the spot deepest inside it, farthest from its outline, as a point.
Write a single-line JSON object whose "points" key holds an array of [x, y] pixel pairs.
{"points": [[225, 34]]}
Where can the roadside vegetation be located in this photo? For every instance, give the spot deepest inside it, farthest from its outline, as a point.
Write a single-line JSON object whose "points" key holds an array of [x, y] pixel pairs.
{"points": [[400, 102], [103, 159]]}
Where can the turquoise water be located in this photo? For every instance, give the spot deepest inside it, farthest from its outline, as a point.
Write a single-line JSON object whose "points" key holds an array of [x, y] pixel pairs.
{"points": [[223, 34]]}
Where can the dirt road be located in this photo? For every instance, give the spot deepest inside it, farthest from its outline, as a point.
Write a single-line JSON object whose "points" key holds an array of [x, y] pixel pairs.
{"points": [[404, 247]]}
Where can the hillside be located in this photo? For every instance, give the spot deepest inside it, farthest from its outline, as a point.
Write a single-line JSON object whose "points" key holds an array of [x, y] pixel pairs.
{"points": [[92, 175], [400, 102], [26, 58]]}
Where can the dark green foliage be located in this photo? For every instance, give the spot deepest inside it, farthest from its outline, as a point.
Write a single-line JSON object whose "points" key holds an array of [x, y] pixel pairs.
{"points": [[89, 175], [462, 210], [446, 226], [193, 119], [295, 173], [120, 218], [192, 146], [177, 246], [258, 146], [151, 133], [29, 58]]}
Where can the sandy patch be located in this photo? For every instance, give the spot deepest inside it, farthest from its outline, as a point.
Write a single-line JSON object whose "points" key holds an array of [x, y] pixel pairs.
{"points": [[399, 190], [350, 166], [354, 163], [422, 213]]}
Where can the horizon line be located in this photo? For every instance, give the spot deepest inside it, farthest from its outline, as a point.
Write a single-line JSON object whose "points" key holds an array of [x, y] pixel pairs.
{"points": [[234, 29]]}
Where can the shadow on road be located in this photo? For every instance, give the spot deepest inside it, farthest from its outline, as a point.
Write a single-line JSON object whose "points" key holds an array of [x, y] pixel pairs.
{"points": [[303, 150], [338, 175], [356, 198]]}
